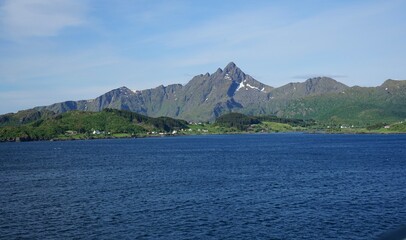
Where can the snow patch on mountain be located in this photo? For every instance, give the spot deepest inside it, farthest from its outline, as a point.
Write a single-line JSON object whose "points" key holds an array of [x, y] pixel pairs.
{"points": [[240, 86], [227, 77], [246, 85]]}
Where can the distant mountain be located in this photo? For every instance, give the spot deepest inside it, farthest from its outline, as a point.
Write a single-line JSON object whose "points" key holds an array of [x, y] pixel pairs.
{"points": [[355, 105], [207, 96], [312, 86], [204, 98]]}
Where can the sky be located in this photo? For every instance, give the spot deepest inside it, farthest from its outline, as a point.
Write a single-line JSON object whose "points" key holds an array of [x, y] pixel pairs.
{"points": [[57, 50]]}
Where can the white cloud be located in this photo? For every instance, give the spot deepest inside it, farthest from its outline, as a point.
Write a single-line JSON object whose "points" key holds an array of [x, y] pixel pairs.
{"points": [[40, 18]]}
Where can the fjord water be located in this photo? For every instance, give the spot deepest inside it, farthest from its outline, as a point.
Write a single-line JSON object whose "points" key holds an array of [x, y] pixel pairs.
{"points": [[271, 186]]}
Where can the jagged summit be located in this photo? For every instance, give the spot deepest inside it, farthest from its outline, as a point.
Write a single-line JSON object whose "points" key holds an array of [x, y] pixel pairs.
{"points": [[232, 72], [230, 67]]}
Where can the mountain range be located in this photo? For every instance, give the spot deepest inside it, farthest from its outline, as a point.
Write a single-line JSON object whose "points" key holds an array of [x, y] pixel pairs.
{"points": [[207, 96]]}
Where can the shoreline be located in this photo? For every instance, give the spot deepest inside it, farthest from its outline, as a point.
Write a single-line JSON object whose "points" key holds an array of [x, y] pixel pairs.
{"points": [[203, 134]]}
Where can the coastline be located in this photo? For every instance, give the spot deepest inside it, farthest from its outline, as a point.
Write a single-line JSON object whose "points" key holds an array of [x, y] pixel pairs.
{"points": [[128, 136]]}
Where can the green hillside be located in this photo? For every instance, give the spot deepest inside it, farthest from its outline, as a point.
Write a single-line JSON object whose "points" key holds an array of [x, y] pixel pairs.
{"points": [[24, 117], [112, 123], [354, 106], [236, 120], [242, 122], [82, 125]]}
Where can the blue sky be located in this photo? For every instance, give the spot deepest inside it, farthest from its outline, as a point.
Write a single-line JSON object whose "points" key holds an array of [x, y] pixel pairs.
{"points": [[57, 50]]}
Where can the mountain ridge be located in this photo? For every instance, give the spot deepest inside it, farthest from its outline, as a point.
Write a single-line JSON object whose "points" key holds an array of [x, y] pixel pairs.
{"points": [[207, 96]]}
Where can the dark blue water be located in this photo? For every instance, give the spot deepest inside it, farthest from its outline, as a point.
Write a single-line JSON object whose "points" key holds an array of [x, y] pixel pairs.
{"points": [[276, 186]]}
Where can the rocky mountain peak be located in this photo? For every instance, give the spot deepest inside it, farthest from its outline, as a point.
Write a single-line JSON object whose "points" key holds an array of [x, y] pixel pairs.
{"points": [[323, 85], [323, 81], [219, 71], [121, 90], [231, 66], [393, 83], [319, 79], [234, 73]]}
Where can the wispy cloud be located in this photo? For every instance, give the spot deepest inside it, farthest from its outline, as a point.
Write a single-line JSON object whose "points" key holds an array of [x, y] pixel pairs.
{"points": [[39, 18]]}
